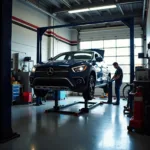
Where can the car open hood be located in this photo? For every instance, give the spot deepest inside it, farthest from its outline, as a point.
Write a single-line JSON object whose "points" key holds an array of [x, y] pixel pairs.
{"points": [[64, 63], [100, 51]]}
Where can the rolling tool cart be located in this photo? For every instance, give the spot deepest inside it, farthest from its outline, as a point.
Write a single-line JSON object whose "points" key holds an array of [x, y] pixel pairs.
{"points": [[146, 103], [137, 121], [128, 109]]}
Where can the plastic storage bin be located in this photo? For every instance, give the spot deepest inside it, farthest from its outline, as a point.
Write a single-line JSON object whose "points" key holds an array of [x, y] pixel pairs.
{"points": [[27, 97]]}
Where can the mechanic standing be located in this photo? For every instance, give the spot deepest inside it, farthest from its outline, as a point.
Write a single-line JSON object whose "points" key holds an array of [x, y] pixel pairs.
{"points": [[118, 76]]}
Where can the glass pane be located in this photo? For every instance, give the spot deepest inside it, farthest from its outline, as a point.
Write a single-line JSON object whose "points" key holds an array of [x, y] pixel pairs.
{"points": [[123, 51], [62, 57], [97, 44], [123, 43], [111, 69], [138, 50], [138, 61], [110, 52], [126, 78], [82, 56], [125, 68], [138, 42], [85, 45], [109, 43], [123, 60], [109, 60]]}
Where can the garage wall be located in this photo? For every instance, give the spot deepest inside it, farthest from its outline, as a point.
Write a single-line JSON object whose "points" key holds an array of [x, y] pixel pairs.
{"points": [[74, 37], [60, 39], [25, 22]]}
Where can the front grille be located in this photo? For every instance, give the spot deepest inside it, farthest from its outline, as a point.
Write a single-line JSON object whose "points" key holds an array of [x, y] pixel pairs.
{"points": [[55, 74], [56, 69], [42, 69], [58, 72]]}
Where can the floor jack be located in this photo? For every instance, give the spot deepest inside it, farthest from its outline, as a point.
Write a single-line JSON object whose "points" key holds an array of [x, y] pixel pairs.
{"points": [[59, 108]]}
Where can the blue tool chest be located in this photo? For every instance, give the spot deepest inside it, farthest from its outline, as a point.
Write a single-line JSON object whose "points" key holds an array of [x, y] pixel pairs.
{"points": [[15, 92]]}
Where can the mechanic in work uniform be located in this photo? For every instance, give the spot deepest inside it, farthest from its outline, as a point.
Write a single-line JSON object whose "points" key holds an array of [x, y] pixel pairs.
{"points": [[118, 81]]}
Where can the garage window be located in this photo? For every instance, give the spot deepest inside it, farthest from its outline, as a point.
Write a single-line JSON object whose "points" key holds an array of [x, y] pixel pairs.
{"points": [[97, 44], [117, 50]]}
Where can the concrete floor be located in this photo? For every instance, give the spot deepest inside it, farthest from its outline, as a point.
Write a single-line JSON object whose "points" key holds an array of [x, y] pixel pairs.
{"points": [[104, 128]]}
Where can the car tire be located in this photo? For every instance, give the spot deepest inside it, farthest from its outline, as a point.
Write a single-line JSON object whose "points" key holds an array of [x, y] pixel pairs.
{"points": [[40, 93], [88, 94]]}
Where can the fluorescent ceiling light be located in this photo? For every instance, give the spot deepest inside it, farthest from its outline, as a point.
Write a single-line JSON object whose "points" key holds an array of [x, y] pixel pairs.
{"points": [[92, 9], [78, 10], [103, 7]]}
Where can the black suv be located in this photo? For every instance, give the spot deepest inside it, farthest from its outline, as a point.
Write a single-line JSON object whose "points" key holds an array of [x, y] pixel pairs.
{"points": [[78, 71]]}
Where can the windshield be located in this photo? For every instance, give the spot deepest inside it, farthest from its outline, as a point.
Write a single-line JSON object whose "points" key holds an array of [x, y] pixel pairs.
{"points": [[75, 56]]}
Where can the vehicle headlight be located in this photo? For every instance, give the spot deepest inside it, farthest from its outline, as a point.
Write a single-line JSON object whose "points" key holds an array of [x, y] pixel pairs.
{"points": [[33, 69], [79, 68]]}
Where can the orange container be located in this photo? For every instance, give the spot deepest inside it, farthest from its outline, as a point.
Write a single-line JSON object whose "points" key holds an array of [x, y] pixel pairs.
{"points": [[27, 97]]}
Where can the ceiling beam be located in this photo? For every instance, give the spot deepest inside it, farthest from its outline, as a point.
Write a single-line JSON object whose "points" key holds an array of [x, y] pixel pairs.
{"points": [[80, 16], [99, 13], [69, 6], [77, 2], [131, 8], [97, 4], [73, 16], [66, 3], [109, 12], [88, 14], [55, 3], [120, 9], [114, 17], [90, 1]]}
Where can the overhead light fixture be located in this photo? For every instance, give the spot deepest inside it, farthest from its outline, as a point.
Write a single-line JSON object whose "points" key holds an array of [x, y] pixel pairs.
{"points": [[103, 7], [78, 10], [92, 9]]}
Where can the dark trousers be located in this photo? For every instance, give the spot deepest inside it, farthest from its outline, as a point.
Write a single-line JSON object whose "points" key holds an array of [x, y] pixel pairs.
{"points": [[117, 91], [38, 101]]}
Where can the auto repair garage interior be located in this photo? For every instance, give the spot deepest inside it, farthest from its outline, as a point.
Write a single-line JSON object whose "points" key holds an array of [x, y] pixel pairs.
{"points": [[33, 32]]}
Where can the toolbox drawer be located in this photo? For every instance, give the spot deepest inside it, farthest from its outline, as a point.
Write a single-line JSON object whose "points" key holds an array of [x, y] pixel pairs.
{"points": [[15, 92]]}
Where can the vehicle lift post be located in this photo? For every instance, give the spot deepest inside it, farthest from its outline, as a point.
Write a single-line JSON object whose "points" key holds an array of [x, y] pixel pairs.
{"points": [[59, 108], [109, 94]]}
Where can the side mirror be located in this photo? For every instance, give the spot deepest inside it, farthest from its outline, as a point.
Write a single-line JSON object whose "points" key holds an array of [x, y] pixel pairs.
{"points": [[50, 59], [99, 59]]}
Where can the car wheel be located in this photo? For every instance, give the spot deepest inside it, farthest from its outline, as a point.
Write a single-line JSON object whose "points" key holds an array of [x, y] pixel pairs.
{"points": [[88, 94], [40, 93]]}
